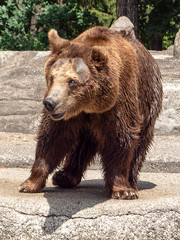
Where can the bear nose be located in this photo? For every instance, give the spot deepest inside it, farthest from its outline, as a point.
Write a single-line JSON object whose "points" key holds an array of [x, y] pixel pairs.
{"points": [[49, 104]]}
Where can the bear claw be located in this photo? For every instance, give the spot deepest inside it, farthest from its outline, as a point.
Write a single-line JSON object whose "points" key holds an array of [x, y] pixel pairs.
{"points": [[125, 194]]}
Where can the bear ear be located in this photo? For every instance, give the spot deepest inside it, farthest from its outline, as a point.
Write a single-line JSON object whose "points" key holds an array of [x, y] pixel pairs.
{"points": [[98, 59], [55, 42]]}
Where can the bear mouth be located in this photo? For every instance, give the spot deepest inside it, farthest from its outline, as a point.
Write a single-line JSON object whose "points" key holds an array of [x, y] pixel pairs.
{"points": [[58, 116]]}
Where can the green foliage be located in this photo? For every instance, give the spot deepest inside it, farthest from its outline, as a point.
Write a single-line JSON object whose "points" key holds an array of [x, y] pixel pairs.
{"points": [[68, 19], [15, 23], [160, 17], [16, 32], [105, 11]]}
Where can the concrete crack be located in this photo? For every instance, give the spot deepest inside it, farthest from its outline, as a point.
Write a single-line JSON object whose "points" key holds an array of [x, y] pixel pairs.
{"points": [[90, 218], [126, 214]]}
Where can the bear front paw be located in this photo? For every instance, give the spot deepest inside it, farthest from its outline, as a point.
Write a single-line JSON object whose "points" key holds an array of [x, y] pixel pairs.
{"points": [[127, 194], [30, 186], [63, 180]]}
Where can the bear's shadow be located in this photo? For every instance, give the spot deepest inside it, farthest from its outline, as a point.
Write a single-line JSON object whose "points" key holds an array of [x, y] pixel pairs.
{"points": [[64, 203]]}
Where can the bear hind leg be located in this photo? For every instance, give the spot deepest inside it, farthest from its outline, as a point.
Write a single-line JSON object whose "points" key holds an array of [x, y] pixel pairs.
{"points": [[116, 173], [140, 154]]}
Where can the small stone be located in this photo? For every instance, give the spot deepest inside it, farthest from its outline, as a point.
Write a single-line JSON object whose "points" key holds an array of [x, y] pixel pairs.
{"points": [[177, 45]]}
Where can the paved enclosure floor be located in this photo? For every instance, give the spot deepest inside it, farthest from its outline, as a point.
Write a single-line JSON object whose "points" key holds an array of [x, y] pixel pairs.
{"points": [[86, 213]]}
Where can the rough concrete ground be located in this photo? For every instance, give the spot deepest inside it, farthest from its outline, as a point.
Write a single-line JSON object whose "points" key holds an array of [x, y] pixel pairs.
{"points": [[86, 213]]}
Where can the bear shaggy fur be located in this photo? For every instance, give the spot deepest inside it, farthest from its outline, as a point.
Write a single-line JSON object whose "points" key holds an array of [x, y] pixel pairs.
{"points": [[104, 93]]}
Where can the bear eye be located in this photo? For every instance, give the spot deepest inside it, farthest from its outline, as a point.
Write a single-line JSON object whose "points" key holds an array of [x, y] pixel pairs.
{"points": [[59, 53], [51, 80], [72, 83]]}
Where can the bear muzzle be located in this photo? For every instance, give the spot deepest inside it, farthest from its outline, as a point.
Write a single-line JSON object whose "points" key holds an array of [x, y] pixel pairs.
{"points": [[50, 105]]}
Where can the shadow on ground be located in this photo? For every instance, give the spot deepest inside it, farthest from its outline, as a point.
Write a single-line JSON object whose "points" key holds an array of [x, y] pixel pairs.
{"points": [[64, 203]]}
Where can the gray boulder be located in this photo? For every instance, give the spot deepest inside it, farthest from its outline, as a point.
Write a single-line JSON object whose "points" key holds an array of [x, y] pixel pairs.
{"points": [[123, 24], [177, 45]]}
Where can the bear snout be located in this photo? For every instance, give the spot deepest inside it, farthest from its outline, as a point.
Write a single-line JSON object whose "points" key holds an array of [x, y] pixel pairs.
{"points": [[49, 104]]}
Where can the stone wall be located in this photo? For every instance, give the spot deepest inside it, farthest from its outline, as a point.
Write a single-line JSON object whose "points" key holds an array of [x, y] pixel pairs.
{"points": [[22, 88]]}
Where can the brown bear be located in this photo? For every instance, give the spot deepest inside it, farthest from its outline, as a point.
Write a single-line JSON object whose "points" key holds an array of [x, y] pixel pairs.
{"points": [[104, 93]]}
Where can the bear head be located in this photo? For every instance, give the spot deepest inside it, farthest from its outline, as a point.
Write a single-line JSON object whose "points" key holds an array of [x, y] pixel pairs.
{"points": [[76, 79]]}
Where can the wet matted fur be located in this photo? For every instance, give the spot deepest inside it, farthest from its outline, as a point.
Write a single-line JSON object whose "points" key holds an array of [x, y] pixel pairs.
{"points": [[104, 94]]}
